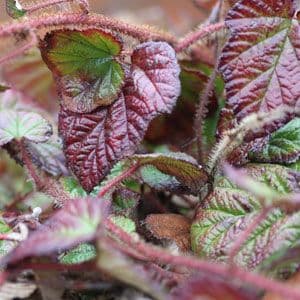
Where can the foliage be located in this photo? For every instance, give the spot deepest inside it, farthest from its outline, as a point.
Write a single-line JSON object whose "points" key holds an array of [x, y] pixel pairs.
{"points": [[135, 163]]}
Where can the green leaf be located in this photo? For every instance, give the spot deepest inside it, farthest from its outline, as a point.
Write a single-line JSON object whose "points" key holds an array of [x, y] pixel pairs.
{"points": [[14, 9], [125, 223], [72, 187], [82, 253], [85, 63], [227, 211], [5, 246], [172, 171], [18, 125], [283, 145], [124, 201]]}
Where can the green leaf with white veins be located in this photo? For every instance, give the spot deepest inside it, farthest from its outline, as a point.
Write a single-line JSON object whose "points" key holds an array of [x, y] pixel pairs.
{"points": [[15, 125]]}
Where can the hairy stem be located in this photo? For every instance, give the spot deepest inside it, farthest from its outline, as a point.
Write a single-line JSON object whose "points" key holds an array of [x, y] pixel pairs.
{"points": [[155, 254], [194, 36], [118, 179], [142, 33]]}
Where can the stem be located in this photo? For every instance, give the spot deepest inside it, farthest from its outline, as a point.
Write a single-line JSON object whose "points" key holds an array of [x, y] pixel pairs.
{"points": [[142, 33], [21, 50], [157, 255], [201, 114], [115, 181], [29, 165], [194, 36], [246, 234]]}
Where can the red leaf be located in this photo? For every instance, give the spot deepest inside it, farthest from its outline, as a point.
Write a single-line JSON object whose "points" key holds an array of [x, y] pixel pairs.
{"points": [[95, 141], [76, 222], [260, 62]]}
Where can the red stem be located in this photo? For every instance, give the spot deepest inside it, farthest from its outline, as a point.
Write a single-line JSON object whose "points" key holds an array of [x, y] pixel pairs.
{"points": [[194, 36], [155, 254], [97, 20], [115, 181]]}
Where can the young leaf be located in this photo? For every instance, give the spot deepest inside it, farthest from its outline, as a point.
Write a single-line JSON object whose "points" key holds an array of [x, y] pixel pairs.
{"points": [[82, 253], [85, 65], [227, 211], [171, 227], [125, 223], [18, 125], [94, 142], [260, 61], [283, 146], [75, 223], [175, 169], [14, 9], [124, 201]]}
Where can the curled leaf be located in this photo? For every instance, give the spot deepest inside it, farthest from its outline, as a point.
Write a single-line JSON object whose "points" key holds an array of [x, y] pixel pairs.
{"points": [[85, 66], [14, 9], [18, 125], [174, 171]]}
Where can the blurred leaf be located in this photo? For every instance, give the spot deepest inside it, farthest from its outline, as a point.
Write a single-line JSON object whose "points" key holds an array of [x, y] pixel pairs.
{"points": [[125, 223], [84, 62], [72, 187], [3, 88], [283, 146], [5, 246], [16, 290], [227, 212], [14, 9], [212, 288], [172, 227], [82, 253], [49, 156], [125, 201], [75, 223], [172, 171], [18, 125]]}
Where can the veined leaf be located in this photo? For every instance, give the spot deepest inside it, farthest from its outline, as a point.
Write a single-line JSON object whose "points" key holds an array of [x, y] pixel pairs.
{"points": [[82, 253], [94, 142], [14, 9], [75, 223], [283, 146], [177, 170], [18, 125], [227, 212], [85, 65], [260, 61], [125, 223]]}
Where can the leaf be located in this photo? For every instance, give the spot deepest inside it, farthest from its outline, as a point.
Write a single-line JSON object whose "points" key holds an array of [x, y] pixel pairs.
{"points": [[49, 156], [30, 75], [212, 288], [3, 87], [75, 223], [18, 125], [14, 9], [124, 201], [84, 62], [174, 170], [95, 142], [171, 227], [260, 61], [5, 245], [16, 290], [283, 146], [82, 253], [125, 223], [227, 212]]}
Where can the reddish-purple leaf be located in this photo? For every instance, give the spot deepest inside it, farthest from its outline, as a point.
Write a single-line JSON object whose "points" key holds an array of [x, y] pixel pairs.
{"points": [[95, 141], [76, 222], [260, 62]]}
